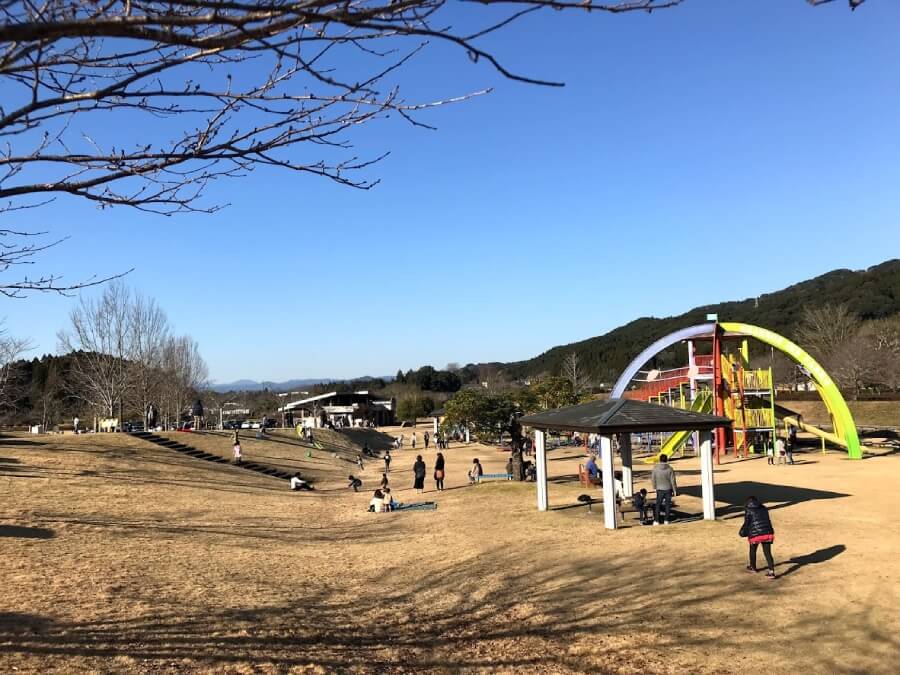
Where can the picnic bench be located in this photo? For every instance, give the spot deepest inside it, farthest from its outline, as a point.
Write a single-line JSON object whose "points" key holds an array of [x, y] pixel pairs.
{"points": [[495, 476]]}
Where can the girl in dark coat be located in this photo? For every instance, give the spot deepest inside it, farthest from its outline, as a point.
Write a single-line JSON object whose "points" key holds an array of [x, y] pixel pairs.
{"points": [[419, 474], [439, 472], [758, 529]]}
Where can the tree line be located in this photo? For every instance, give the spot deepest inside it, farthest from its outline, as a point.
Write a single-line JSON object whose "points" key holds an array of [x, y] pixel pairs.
{"points": [[118, 357]]}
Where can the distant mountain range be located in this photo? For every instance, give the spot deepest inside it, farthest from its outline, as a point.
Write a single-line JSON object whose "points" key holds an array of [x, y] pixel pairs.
{"points": [[287, 385], [873, 293]]}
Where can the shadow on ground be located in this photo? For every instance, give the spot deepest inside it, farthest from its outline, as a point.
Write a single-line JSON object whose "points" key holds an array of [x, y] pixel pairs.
{"points": [[496, 612], [772, 495], [20, 532]]}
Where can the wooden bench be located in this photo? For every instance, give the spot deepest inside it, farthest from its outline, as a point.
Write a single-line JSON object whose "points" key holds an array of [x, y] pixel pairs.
{"points": [[626, 506]]}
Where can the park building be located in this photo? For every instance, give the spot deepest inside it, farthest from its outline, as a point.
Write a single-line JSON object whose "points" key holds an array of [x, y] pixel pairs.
{"points": [[349, 408]]}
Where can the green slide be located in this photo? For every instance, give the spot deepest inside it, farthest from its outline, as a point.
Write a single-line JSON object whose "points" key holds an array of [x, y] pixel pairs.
{"points": [[701, 404]]}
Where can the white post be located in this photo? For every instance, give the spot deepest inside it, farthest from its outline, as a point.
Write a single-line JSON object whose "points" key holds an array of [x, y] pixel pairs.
{"points": [[467, 435], [627, 478], [435, 426], [609, 483], [707, 487], [540, 460]]}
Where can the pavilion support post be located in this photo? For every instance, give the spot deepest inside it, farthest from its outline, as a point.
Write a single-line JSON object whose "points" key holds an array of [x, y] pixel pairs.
{"points": [[435, 419], [706, 476], [627, 477], [609, 483], [540, 461]]}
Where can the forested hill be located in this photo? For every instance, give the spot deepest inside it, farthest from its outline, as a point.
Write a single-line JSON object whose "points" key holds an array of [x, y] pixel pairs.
{"points": [[872, 294]]}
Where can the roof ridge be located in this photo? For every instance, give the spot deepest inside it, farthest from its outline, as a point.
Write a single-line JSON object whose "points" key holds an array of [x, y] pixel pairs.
{"points": [[608, 415]]}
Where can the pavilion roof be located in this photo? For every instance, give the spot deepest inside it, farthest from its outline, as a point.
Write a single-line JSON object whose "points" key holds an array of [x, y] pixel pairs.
{"points": [[622, 416]]}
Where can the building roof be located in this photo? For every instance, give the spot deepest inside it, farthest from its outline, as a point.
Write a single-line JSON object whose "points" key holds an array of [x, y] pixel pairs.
{"points": [[622, 415], [331, 394]]}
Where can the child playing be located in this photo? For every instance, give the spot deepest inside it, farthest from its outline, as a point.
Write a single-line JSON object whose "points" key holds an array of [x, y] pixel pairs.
{"points": [[640, 503], [780, 452], [476, 472], [376, 504], [355, 483], [758, 529], [388, 500], [238, 456], [384, 481]]}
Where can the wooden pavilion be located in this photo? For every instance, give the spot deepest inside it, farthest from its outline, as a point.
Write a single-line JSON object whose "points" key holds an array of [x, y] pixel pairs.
{"points": [[622, 418]]}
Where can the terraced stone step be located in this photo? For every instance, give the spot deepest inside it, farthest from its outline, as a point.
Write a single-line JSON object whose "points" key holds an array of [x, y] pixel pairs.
{"points": [[191, 451]]}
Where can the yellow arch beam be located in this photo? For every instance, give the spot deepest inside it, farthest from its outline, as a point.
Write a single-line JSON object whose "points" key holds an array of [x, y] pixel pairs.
{"points": [[844, 426]]}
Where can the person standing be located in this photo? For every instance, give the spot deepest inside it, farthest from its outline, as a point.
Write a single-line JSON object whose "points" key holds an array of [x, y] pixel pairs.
{"points": [[419, 475], [238, 455], [414, 440], [197, 413], [663, 480], [387, 461], [385, 483], [439, 472], [426, 438], [359, 462], [758, 529], [476, 472], [780, 451], [75, 423]]}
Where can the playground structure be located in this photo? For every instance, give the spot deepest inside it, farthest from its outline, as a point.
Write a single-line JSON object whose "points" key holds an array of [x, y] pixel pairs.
{"points": [[723, 383]]}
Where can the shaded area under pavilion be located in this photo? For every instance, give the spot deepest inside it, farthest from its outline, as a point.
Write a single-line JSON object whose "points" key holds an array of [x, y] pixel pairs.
{"points": [[621, 418]]}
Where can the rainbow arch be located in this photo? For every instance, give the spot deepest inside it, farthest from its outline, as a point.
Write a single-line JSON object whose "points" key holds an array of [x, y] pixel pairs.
{"points": [[844, 426]]}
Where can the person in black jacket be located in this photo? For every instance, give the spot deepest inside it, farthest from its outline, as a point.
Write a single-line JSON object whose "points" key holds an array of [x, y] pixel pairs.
{"points": [[197, 414], [419, 474], [758, 529], [439, 472]]}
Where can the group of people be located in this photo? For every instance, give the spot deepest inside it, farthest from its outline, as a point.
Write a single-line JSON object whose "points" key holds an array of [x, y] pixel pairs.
{"points": [[783, 450]]}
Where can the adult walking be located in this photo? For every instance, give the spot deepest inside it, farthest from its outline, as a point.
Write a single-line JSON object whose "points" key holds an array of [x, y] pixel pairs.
{"points": [[197, 413], [439, 472], [419, 475], [663, 480], [758, 529]]}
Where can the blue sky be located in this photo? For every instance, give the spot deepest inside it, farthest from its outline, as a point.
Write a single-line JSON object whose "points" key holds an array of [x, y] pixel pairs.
{"points": [[535, 216]]}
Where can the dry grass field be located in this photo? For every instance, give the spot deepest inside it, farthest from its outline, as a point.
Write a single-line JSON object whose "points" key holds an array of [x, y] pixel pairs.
{"points": [[122, 556]]}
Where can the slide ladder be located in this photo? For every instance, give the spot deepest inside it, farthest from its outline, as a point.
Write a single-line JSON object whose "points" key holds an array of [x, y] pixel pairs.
{"points": [[702, 404], [792, 418]]}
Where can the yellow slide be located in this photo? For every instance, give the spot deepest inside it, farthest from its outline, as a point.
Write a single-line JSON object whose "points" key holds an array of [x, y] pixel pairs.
{"points": [[701, 404]]}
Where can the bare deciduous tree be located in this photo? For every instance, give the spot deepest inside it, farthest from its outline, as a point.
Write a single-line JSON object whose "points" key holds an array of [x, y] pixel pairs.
{"points": [[149, 333], [100, 336], [824, 331], [185, 374], [574, 373]]}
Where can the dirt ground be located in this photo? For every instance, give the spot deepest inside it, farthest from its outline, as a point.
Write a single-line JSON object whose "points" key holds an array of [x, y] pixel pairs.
{"points": [[121, 556]]}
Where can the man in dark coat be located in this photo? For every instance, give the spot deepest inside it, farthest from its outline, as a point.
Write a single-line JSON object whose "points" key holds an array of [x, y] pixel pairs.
{"points": [[197, 413], [758, 529]]}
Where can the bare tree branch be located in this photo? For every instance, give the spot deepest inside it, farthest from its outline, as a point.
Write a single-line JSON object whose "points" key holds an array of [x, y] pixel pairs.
{"points": [[224, 86]]}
